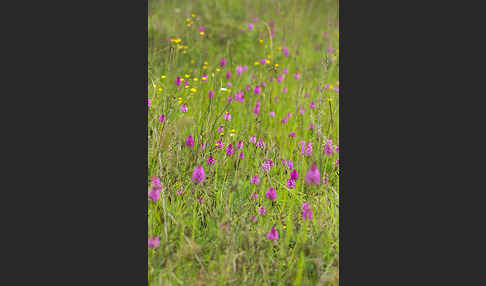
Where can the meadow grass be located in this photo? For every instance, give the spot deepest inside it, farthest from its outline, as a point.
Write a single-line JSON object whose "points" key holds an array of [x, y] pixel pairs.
{"points": [[212, 233]]}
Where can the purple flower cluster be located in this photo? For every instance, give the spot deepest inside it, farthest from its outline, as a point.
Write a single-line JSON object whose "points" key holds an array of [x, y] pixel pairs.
{"points": [[198, 175], [271, 194], [313, 176], [306, 211], [305, 148], [267, 165], [154, 193]]}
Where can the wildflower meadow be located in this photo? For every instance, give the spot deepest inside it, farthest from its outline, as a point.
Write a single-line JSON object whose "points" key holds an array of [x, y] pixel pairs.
{"points": [[243, 142]]}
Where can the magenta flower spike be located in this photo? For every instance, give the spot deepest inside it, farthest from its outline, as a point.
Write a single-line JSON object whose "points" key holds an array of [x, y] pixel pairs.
{"points": [[305, 148], [256, 109], [156, 182], [228, 75], [162, 118], [154, 194], [184, 108], [262, 210], [257, 89], [210, 161], [178, 81], [313, 176], [190, 142], [306, 211], [222, 62], [153, 242], [198, 175], [239, 70], [290, 183], [253, 139], [229, 150], [227, 116], [211, 94], [271, 194], [250, 26], [294, 175], [254, 196], [255, 180], [328, 150], [239, 145], [219, 144], [239, 96], [272, 234], [260, 144]]}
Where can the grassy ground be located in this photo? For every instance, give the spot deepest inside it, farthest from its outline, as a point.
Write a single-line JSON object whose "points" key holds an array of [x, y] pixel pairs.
{"points": [[212, 233]]}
